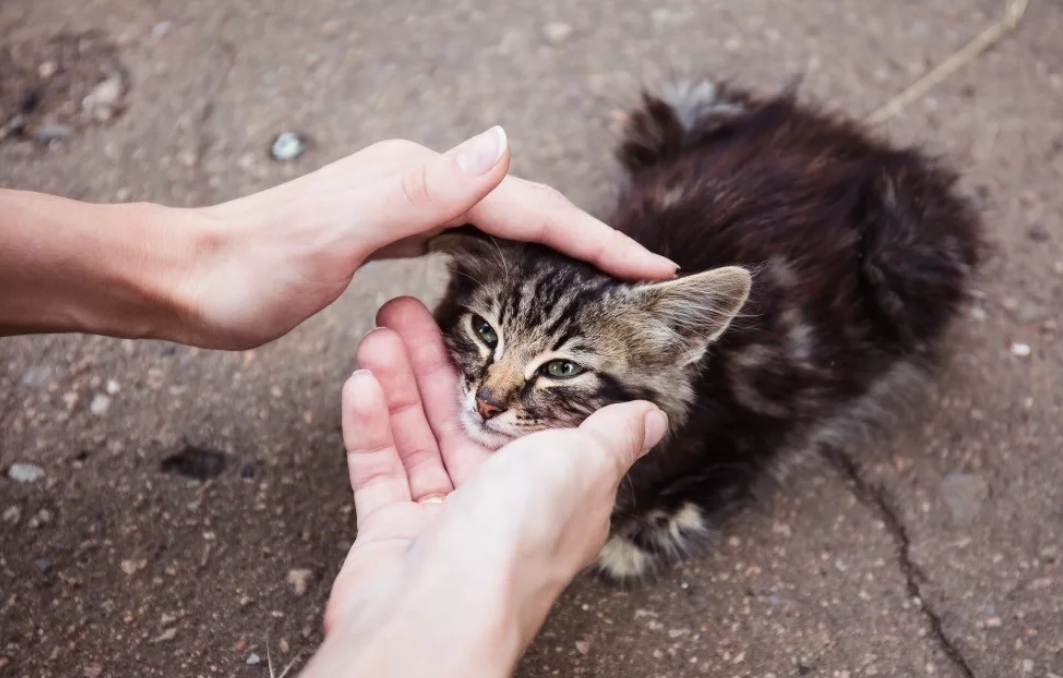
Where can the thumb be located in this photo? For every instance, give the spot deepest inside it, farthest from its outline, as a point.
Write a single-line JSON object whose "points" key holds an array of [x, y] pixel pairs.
{"points": [[440, 189], [625, 432]]}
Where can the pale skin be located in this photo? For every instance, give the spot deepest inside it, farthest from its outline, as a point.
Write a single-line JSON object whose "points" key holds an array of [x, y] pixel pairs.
{"points": [[444, 525]]}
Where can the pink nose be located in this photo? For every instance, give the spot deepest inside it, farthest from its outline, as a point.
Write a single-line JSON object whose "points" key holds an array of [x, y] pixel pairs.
{"points": [[487, 405]]}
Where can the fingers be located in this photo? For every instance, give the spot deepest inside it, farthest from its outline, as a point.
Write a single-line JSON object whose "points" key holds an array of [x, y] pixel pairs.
{"points": [[383, 353], [624, 432], [436, 190], [522, 210], [437, 382], [377, 475]]}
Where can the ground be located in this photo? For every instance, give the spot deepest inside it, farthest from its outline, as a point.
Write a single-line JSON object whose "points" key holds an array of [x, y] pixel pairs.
{"points": [[936, 552]]}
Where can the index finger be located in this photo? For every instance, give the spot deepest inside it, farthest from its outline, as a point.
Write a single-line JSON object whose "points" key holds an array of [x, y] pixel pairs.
{"points": [[524, 210]]}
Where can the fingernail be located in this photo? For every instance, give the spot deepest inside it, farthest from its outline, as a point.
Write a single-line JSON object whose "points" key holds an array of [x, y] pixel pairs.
{"points": [[479, 154], [656, 426], [668, 261], [360, 373]]}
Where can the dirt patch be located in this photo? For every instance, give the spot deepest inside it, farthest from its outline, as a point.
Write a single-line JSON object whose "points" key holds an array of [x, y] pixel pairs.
{"points": [[51, 88]]}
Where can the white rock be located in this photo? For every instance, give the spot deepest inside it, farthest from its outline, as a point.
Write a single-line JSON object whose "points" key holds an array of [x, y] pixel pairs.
{"points": [[557, 31], [101, 103], [113, 387], [253, 659], [1020, 350], [100, 404], [288, 146], [23, 472]]}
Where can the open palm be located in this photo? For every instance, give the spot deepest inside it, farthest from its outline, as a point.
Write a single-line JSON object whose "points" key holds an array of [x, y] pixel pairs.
{"points": [[407, 449]]}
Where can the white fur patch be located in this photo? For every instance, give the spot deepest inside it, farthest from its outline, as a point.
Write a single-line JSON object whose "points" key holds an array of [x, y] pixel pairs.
{"points": [[621, 559]]}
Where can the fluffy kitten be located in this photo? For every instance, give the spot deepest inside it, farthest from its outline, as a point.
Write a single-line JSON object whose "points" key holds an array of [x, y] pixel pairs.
{"points": [[820, 269]]}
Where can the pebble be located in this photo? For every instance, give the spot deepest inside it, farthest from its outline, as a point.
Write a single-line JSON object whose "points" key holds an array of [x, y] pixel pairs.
{"points": [[288, 146], [557, 32], [113, 387], [23, 472], [102, 103], [1020, 350], [47, 69], [52, 133], [168, 634], [253, 659], [964, 494], [583, 646], [1038, 233], [299, 579], [37, 376], [100, 404], [131, 567], [162, 28], [12, 514]]}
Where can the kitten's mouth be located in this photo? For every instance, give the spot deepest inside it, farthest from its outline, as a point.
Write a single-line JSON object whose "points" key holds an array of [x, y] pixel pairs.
{"points": [[484, 432]]}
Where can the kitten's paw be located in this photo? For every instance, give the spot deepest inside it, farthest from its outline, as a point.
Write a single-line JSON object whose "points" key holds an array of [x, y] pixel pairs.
{"points": [[646, 544]]}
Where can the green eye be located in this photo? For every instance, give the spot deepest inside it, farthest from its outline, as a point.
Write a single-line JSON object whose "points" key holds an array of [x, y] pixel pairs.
{"points": [[562, 369], [483, 329]]}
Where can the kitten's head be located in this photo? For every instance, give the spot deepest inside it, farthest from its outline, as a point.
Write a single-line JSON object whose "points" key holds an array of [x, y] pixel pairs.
{"points": [[543, 341]]}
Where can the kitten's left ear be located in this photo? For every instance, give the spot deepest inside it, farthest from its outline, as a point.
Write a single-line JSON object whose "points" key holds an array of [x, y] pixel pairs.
{"points": [[695, 310]]}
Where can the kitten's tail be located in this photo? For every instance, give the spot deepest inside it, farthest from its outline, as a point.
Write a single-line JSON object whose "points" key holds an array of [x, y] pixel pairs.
{"points": [[920, 247], [660, 128]]}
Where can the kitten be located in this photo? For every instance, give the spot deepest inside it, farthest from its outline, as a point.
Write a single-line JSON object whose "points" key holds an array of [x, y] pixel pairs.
{"points": [[820, 270]]}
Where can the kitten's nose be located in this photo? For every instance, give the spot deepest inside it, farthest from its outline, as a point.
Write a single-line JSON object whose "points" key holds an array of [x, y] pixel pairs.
{"points": [[487, 405]]}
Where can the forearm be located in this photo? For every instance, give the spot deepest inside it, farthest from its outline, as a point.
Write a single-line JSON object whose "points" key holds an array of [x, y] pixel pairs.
{"points": [[118, 270]]}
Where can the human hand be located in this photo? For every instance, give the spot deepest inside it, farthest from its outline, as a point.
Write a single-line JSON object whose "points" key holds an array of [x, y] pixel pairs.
{"points": [[273, 259], [460, 551]]}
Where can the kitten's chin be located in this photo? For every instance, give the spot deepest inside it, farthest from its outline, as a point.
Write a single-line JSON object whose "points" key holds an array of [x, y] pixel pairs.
{"points": [[480, 433]]}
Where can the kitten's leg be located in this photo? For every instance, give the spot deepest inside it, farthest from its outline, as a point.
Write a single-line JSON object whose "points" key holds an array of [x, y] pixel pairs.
{"points": [[679, 522]]}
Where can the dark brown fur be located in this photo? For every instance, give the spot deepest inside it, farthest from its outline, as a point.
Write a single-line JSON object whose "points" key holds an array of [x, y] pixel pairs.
{"points": [[860, 256]]}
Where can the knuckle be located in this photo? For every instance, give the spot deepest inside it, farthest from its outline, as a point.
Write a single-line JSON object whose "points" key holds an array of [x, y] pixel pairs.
{"points": [[415, 187], [399, 147]]}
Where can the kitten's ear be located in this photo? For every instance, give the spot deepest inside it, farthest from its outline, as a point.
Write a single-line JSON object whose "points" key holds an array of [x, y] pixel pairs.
{"points": [[466, 244], [695, 310]]}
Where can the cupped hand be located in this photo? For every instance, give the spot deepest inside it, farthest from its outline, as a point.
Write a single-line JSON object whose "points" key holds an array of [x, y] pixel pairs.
{"points": [[449, 533], [273, 259]]}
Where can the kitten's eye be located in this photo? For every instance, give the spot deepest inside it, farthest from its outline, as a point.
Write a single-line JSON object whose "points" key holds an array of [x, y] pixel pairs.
{"points": [[562, 369], [483, 329]]}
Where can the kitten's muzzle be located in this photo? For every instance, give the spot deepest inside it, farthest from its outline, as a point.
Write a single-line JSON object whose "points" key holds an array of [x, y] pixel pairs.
{"points": [[488, 404]]}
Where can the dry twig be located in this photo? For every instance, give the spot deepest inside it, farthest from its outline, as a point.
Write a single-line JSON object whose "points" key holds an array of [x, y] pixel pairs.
{"points": [[957, 60]]}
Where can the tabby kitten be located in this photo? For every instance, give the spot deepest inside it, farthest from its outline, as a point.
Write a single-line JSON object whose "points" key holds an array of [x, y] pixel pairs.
{"points": [[820, 270]]}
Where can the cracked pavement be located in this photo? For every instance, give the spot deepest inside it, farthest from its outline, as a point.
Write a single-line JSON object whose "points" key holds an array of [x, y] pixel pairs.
{"points": [[933, 549]]}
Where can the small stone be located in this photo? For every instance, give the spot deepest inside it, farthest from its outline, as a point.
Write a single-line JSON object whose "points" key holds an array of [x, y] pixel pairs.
{"points": [[978, 313], [48, 133], [92, 671], [1038, 233], [188, 158], [168, 634], [284, 646], [246, 600], [131, 567], [331, 29], [288, 146], [276, 391], [1020, 350], [1027, 666], [583, 646], [557, 32], [732, 44], [253, 659], [47, 69], [100, 404], [43, 564], [113, 387], [102, 103], [162, 28], [23, 472], [677, 633], [36, 377], [167, 619], [12, 514], [964, 495], [299, 579], [994, 623]]}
